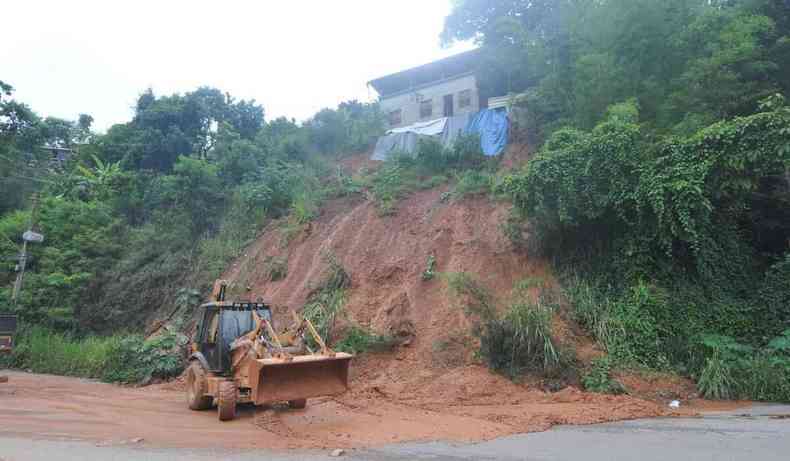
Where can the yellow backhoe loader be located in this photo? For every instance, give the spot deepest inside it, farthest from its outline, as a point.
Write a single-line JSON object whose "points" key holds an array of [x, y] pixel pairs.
{"points": [[238, 357]]}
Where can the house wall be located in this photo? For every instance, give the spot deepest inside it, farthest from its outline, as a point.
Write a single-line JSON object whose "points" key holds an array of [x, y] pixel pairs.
{"points": [[409, 102]]}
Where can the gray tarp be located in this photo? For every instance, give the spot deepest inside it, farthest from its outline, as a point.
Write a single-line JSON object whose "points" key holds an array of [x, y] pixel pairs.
{"points": [[455, 125], [429, 128], [404, 139], [396, 142]]}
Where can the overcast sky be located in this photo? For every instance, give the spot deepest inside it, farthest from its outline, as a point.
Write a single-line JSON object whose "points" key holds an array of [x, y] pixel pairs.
{"points": [[293, 56]]}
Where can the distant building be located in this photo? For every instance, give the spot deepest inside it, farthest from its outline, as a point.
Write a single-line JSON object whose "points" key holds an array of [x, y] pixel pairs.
{"points": [[442, 88]]}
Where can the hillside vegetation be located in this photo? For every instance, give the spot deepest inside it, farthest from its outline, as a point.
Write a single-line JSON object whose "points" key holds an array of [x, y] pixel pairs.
{"points": [[659, 189], [662, 188]]}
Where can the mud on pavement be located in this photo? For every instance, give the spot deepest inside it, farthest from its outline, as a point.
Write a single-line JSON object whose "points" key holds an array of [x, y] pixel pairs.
{"points": [[62, 408]]}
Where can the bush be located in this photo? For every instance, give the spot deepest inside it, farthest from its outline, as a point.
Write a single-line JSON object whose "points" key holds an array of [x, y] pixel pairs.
{"points": [[135, 360], [514, 228], [119, 358], [521, 341], [599, 378], [715, 381], [432, 157], [433, 181], [327, 300], [358, 340], [391, 182], [476, 300], [275, 268], [473, 182], [730, 370], [518, 342], [45, 351], [430, 270], [305, 207], [669, 238]]}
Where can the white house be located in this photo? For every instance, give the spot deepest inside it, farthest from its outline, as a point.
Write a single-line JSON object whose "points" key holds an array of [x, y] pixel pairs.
{"points": [[442, 88]]}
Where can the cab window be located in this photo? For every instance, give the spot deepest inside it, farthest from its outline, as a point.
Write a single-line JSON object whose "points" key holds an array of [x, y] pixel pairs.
{"points": [[212, 322]]}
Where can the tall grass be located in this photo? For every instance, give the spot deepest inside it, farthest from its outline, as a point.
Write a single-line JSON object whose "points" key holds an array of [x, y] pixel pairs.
{"points": [[117, 358], [327, 300], [715, 381], [358, 340], [517, 342], [45, 351]]}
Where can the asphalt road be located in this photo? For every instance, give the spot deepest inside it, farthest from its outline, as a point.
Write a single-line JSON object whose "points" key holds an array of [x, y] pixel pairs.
{"points": [[759, 433]]}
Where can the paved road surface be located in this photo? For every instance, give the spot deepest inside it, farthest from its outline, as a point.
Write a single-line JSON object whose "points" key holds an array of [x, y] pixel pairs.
{"points": [[760, 433]]}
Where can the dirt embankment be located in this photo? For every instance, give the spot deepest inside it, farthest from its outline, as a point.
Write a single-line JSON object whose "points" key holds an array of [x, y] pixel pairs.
{"points": [[429, 383]]}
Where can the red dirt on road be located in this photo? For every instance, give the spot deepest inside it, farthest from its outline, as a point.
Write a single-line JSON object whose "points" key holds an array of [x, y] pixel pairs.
{"points": [[63, 408]]}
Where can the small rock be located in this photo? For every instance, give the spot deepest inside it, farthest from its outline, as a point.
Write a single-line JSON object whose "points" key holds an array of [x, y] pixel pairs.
{"points": [[337, 452], [137, 440], [674, 404]]}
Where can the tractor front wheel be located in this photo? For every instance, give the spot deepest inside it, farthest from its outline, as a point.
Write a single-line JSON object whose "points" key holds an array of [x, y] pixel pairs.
{"points": [[197, 387], [226, 400]]}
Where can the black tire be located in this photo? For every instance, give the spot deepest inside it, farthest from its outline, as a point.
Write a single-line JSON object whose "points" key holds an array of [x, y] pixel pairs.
{"points": [[197, 387], [298, 403], [226, 400]]}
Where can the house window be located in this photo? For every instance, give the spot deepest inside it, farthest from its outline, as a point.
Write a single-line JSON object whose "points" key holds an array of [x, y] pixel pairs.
{"points": [[464, 99], [394, 117], [426, 108]]}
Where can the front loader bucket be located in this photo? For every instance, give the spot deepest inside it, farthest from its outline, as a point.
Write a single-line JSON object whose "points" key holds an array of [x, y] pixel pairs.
{"points": [[305, 376]]}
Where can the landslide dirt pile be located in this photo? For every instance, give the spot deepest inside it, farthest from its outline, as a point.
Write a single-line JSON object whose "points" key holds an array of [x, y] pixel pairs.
{"points": [[385, 257], [432, 369]]}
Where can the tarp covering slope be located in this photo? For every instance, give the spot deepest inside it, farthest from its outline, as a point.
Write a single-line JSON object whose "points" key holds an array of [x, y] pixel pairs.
{"points": [[395, 142], [455, 125], [492, 126]]}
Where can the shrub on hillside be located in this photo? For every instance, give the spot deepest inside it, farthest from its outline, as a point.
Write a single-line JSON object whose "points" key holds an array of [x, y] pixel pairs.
{"points": [[358, 340], [727, 369], [599, 378], [518, 342]]}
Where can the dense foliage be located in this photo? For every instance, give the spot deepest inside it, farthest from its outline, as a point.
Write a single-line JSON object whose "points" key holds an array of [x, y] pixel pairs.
{"points": [[689, 62], [663, 182], [680, 236], [152, 210]]}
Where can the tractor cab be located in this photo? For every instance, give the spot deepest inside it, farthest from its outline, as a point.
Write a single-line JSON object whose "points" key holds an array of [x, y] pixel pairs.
{"points": [[219, 324]]}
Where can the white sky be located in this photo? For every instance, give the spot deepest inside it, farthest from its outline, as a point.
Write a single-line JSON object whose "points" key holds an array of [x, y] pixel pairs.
{"points": [[66, 57]]}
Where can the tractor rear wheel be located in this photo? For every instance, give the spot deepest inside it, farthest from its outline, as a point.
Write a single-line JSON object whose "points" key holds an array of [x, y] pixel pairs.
{"points": [[197, 387], [298, 403], [226, 400]]}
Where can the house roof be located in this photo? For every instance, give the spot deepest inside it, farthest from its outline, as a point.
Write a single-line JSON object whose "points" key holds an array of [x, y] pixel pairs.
{"points": [[443, 69]]}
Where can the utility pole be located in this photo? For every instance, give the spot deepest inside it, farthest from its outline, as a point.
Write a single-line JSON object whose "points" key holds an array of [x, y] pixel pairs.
{"points": [[29, 236]]}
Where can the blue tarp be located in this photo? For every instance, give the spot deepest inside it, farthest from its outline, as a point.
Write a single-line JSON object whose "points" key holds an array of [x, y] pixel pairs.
{"points": [[492, 126]]}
